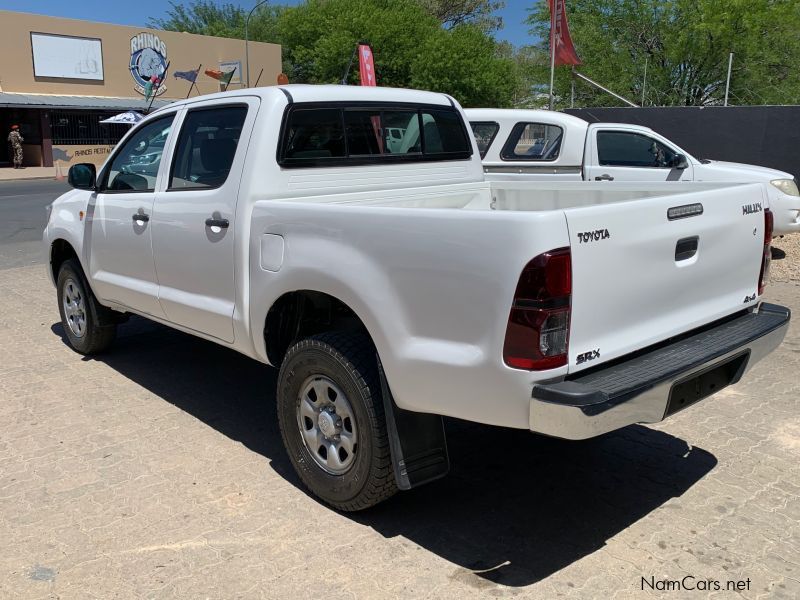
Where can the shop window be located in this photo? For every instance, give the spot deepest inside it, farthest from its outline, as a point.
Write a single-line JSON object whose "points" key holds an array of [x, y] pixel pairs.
{"points": [[83, 128]]}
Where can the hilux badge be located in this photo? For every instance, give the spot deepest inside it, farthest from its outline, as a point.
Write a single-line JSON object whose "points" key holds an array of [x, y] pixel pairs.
{"points": [[749, 209]]}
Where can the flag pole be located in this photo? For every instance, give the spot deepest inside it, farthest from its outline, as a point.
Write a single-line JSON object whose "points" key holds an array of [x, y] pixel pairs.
{"points": [[728, 81], [350, 64], [155, 91], [644, 81], [194, 82], [260, 73], [552, 51]]}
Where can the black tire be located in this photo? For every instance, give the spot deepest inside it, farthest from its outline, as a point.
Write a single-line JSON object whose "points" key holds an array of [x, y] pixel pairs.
{"points": [[350, 362], [92, 337]]}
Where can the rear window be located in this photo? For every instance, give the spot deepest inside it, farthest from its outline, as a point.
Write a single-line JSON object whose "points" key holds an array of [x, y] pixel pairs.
{"points": [[533, 141], [364, 134], [484, 133]]}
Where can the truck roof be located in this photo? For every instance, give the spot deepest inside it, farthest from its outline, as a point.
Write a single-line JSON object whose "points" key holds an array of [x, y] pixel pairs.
{"points": [[517, 115], [327, 93]]}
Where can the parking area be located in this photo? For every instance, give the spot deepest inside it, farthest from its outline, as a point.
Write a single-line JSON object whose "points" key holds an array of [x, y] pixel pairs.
{"points": [[157, 471]]}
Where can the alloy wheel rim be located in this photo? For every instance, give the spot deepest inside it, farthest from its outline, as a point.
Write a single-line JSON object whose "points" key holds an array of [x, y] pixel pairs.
{"points": [[327, 424], [74, 308]]}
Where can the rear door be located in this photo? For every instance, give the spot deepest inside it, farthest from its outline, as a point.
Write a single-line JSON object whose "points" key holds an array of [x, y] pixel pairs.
{"points": [[640, 276], [625, 154], [194, 217]]}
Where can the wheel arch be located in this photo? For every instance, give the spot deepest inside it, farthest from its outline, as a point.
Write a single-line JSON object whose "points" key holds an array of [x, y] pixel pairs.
{"points": [[302, 313], [60, 252]]}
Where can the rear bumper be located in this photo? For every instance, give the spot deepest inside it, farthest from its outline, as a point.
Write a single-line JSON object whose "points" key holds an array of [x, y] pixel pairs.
{"points": [[650, 386]]}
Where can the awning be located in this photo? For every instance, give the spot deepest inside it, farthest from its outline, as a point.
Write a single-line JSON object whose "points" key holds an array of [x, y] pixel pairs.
{"points": [[9, 99]]}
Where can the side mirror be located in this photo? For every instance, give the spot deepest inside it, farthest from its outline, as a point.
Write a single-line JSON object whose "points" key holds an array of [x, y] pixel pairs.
{"points": [[679, 161], [82, 176]]}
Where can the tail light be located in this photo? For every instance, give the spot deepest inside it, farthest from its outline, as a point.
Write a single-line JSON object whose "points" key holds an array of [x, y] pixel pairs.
{"points": [[537, 335], [766, 257]]}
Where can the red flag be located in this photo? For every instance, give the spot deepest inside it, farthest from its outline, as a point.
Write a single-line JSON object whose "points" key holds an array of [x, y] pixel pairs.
{"points": [[367, 66], [560, 40]]}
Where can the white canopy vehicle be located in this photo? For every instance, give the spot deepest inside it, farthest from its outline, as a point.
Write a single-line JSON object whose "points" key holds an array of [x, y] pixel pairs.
{"points": [[535, 145]]}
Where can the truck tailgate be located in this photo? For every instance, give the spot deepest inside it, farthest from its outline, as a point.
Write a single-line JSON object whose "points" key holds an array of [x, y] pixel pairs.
{"points": [[636, 280]]}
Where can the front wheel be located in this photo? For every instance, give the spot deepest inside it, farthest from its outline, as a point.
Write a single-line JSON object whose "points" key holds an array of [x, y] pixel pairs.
{"points": [[79, 311], [331, 417]]}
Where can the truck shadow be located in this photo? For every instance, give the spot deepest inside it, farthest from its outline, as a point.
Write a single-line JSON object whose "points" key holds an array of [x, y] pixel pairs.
{"points": [[515, 507]]}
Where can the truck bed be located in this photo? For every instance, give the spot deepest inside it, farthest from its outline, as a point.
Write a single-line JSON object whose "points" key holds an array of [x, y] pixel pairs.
{"points": [[515, 196]]}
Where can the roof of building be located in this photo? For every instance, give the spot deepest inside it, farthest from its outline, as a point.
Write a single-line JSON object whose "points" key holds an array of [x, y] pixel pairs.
{"points": [[8, 99]]}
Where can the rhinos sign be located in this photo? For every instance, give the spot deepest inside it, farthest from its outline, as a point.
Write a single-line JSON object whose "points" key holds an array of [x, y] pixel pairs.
{"points": [[148, 58]]}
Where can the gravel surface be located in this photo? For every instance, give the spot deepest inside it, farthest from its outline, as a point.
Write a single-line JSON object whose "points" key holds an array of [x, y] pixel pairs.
{"points": [[786, 259]]}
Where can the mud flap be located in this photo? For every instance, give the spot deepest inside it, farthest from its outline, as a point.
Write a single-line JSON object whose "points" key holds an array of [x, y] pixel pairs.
{"points": [[417, 442]]}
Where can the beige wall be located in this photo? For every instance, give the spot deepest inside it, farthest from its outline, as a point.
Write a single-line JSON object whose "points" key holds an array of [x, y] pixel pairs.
{"points": [[184, 51], [68, 155]]}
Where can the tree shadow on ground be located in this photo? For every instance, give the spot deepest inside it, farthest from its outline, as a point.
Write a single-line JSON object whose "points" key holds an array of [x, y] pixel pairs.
{"points": [[515, 507]]}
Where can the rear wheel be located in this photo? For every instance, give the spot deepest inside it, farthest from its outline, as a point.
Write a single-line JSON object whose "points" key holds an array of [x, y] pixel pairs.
{"points": [[330, 412], [80, 311]]}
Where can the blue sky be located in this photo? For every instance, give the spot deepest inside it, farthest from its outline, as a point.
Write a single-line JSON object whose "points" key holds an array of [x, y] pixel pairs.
{"points": [[137, 13]]}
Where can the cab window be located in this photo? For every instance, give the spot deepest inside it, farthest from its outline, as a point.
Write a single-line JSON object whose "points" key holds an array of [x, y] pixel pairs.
{"points": [[534, 142], [371, 134], [484, 133], [627, 149], [134, 167], [206, 147]]}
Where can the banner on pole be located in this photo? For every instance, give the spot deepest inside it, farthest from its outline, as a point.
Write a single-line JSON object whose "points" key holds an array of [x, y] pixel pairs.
{"points": [[562, 45], [366, 64]]}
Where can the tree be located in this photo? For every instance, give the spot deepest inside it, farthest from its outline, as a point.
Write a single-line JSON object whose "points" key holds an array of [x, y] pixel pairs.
{"points": [[464, 62], [412, 47], [686, 44], [204, 17], [452, 13]]}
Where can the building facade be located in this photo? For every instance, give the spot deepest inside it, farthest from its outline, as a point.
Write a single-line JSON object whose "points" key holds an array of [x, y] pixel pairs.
{"points": [[60, 77]]}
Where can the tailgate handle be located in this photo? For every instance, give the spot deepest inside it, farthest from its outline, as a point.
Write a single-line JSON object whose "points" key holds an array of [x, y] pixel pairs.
{"points": [[686, 248]]}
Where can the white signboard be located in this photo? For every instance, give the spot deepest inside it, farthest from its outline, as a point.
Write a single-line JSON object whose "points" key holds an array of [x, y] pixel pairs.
{"points": [[67, 57], [232, 65]]}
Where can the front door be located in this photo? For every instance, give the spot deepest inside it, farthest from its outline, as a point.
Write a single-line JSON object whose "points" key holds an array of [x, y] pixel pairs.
{"points": [[620, 155], [121, 262], [194, 217]]}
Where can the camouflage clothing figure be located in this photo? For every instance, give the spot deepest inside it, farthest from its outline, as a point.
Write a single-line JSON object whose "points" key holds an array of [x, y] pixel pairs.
{"points": [[15, 139]]}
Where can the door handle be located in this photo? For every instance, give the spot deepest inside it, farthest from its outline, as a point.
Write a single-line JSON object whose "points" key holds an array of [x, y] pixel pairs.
{"points": [[141, 217], [211, 222], [604, 177]]}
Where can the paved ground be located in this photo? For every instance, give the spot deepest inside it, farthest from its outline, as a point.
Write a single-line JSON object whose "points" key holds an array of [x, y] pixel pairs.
{"points": [[22, 219], [157, 472]]}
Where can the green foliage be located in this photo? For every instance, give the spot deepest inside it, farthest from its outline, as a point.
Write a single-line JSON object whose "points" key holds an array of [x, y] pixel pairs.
{"points": [[686, 44], [204, 17], [319, 36], [414, 46], [452, 13], [464, 62]]}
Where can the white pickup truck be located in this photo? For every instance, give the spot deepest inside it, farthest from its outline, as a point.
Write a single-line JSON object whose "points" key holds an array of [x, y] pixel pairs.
{"points": [[392, 285], [536, 145]]}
